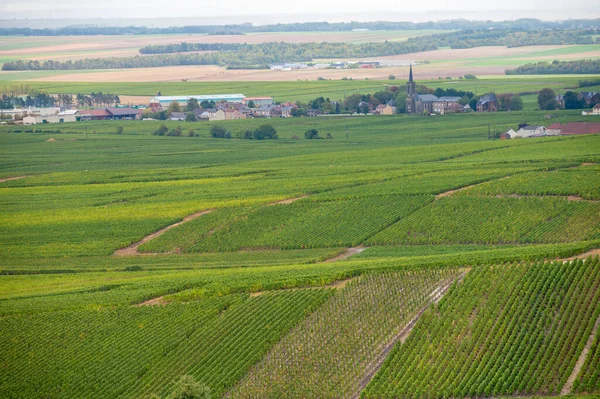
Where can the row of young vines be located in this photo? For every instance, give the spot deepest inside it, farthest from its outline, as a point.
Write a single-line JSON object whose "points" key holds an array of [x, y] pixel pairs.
{"points": [[506, 330]]}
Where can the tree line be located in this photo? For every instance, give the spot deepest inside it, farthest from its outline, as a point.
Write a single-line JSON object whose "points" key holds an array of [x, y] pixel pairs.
{"points": [[263, 54], [455, 24], [557, 67]]}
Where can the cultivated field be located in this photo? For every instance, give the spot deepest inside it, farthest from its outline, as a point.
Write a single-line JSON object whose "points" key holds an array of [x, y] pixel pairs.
{"points": [[78, 47], [406, 257]]}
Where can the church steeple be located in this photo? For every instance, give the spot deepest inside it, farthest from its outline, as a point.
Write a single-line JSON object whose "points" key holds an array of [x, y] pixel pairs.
{"points": [[411, 93]]}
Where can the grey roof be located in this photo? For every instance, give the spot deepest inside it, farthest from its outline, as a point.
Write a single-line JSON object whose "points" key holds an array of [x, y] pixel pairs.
{"points": [[449, 99], [487, 98], [532, 127], [427, 97], [122, 111]]}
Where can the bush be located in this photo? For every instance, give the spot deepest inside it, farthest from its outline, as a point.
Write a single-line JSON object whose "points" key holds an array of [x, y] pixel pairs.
{"points": [[176, 132], [161, 131], [191, 133], [265, 132], [329, 136], [470, 76], [312, 134], [391, 77], [217, 132], [120, 130], [188, 388], [245, 134], [295, 137]]}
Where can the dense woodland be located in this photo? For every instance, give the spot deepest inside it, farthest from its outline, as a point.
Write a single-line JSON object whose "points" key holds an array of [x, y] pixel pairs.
{"points": [[557, 67], [263, 54], [458, 24]]}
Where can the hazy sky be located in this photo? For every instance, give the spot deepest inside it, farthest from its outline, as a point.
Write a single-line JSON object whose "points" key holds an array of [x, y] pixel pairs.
{"points": [[328, 10]]}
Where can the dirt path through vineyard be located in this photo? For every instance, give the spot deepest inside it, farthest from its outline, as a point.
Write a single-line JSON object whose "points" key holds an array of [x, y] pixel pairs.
{"points": [[581, 361], [133, 248], [346, 254], [12, 178], [435, 296]]}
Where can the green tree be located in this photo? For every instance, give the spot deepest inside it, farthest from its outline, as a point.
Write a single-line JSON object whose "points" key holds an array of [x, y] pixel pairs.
{"points": [[188, 388], [516, 103], [246, 134], [311, 134], [251, 104], [265, 132], [217, 132], [190, 117], [572, 100], [546, 99], [351, 102], [161, 131], [192, 104], [174, 107], [120, 129]]}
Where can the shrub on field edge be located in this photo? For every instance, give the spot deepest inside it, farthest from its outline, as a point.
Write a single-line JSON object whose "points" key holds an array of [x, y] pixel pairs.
{"points": [[188, 388], [312, 134]]}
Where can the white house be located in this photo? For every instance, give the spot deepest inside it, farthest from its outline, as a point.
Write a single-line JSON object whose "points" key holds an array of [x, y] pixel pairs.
{"points": [[531, 131], [596, 109]]}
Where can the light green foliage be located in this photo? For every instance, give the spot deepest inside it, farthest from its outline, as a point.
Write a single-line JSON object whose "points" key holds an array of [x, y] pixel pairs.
{"points": [[308, 224], [491, 220], [187, 388], [133, 352], [329, 352], [510, 330], [583, 181]]}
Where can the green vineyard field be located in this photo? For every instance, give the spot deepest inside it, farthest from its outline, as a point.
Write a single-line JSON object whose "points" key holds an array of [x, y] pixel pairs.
{"points": [[510, 330]]}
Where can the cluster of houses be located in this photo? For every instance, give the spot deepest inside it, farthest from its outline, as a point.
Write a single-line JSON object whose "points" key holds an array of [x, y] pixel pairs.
{"points": [[557, 129], [431, 104], [34, 116]]}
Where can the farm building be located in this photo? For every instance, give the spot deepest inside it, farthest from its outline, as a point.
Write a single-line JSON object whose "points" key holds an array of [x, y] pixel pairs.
{"points": [[258, 101], [165, 101], [576, 128]]}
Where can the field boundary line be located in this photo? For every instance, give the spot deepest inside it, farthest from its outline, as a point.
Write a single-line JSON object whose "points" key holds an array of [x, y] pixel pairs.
{"points": [[346, 254], [581, 360], [584, 255], [288, 200], [12, 178], [133, 248], [435, 296]]}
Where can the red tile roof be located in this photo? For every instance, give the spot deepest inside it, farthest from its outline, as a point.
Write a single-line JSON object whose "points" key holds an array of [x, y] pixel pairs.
{"points": [[581, 128], [97, 112]]}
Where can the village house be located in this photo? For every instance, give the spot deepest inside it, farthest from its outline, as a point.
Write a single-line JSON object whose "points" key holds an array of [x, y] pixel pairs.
{"points": [[487, 103], [530, 131], [508, 135], [314, 112], [596, 109], [446, 105]]}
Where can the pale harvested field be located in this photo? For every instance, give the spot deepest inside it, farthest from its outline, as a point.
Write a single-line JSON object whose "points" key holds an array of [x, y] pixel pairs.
{"points": [[481, 61], [78, 47]]}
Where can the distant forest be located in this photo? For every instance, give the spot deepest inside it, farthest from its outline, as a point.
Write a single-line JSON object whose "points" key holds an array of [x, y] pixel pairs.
{"points": [[557, 68], [462, 39], [257, 56], [457, 24]]}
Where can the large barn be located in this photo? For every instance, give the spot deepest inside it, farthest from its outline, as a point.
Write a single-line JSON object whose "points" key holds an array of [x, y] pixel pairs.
{"points": [[165, 101]]}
